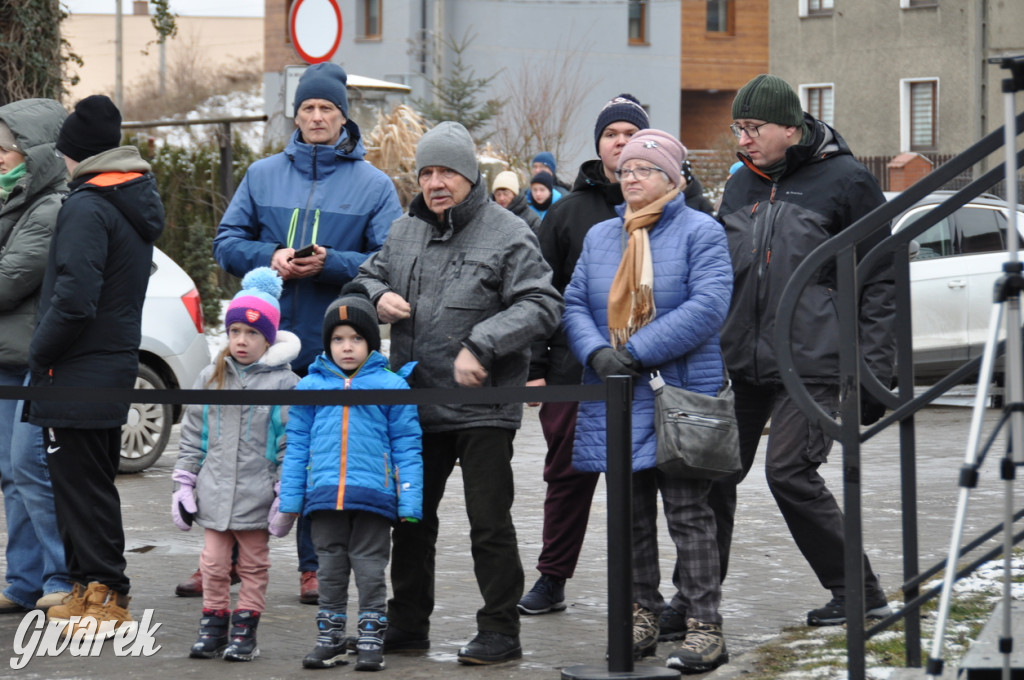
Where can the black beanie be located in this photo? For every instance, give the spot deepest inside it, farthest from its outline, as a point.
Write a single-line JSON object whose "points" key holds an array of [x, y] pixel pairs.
{"points": [[93, 127], [353, 307], [626, 108], [542, 178]]}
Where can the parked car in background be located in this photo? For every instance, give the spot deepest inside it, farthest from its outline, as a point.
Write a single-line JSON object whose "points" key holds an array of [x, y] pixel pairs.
{"points": [[172, 353], [952, 275]]}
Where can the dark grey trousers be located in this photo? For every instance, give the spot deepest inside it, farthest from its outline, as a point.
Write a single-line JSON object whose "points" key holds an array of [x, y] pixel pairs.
{"points": [[347, 542], [796, 449]]}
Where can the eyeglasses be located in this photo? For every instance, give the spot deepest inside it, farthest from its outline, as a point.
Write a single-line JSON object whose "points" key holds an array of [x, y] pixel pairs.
{"points": [[753, 131], [641, 172], [58, 154]]}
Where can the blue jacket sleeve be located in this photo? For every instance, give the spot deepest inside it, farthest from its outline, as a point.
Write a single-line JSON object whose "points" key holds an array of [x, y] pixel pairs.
{"points": [[407, 457], [237, 246]]}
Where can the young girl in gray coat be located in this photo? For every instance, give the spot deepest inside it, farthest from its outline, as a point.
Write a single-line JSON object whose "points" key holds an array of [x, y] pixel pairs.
{"points": [[226, 475]]}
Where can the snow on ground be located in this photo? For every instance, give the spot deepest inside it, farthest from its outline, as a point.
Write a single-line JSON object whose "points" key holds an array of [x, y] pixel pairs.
{"points": [[233, 104]]}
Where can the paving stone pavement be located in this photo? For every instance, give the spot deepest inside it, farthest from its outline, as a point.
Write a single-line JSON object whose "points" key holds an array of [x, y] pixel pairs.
{"points": [[769, 587]]}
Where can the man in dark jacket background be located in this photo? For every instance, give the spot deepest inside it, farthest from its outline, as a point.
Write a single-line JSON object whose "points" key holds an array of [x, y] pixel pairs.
{"points": [[87, 336], [569, 493], [799, 187]]}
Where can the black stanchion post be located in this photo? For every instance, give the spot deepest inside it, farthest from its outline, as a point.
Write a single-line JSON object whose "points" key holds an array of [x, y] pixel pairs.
{"points": [[620, 523], [619, 402]]}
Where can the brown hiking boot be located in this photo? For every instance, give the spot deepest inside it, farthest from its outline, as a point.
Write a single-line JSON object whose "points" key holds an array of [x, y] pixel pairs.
{"points": [[73, 605], [106, 611]]}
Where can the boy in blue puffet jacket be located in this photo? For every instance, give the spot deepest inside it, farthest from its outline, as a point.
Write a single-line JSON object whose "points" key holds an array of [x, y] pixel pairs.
{"points": [[355, 470]]}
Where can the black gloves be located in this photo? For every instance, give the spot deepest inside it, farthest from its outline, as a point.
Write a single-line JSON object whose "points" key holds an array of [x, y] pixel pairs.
{"points": [[607, 361], [871, 410]]}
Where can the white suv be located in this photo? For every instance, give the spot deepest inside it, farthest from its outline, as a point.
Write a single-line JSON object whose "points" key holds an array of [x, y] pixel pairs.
{"points": [[952, 275], [172, 353]]}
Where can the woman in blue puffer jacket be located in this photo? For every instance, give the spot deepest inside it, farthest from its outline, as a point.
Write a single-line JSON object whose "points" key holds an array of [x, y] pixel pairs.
{"points": [[649, 292]]}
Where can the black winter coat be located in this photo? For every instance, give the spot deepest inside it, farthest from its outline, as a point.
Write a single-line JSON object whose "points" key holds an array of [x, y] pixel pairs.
{"points": [[90, 313], [772, 227]]}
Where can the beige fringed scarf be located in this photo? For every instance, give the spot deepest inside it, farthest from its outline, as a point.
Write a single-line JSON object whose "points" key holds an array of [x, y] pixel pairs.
{"points": [[631, 300]]}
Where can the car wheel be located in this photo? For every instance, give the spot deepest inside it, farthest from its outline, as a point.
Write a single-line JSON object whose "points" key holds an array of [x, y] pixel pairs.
{"points": [[144, 437]]}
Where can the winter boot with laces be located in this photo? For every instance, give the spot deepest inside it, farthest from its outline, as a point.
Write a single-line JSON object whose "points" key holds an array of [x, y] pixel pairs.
{"points": [[331, 643], [703, 649], [242, 646], [547, 595], [213, 634], [370, 643], [645, 632], [73, 605], [106, 611]]}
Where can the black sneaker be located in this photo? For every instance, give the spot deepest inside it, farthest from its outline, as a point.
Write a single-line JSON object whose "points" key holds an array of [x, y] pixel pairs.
{"points": [[834, 613], [645, 632], [489, 647], [703, 649], [671, 625], [397, 640], [547, 595]]}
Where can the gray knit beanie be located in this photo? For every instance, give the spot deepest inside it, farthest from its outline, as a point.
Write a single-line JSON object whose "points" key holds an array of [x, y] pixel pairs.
{"points": [[768, 98], [448, 145]]}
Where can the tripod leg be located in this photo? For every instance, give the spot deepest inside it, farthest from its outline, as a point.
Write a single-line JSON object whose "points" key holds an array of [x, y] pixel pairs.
{"points": [[968, 479]]}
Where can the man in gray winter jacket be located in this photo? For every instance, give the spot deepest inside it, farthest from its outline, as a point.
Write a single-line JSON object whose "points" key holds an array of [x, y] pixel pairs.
{"points": [[464, 285]]}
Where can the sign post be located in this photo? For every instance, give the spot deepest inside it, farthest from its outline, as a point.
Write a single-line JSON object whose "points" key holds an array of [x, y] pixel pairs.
{"points": [[315, 28]]}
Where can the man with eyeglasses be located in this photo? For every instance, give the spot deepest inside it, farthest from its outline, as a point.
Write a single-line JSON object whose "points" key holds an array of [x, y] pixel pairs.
{"points": [[800, 185], [463, 284]]}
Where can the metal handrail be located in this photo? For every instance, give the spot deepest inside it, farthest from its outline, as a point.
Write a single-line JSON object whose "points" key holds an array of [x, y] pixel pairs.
{"points": [[854, 375]]}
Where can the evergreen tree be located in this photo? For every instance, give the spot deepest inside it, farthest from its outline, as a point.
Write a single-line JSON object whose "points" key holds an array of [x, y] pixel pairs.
{"points": [[458, 95]]}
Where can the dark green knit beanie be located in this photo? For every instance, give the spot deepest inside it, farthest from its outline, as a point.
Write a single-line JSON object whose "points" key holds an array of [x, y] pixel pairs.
{"points": [[768, 98]]}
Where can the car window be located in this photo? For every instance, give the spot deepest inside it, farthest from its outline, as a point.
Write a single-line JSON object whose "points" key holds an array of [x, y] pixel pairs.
{"points": [[936, 241], [983, 230]]}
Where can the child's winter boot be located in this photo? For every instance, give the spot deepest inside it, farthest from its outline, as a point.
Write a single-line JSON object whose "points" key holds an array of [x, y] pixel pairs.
{"points": [[213, 634], [242, 646], [370, 644], [331, 643]]}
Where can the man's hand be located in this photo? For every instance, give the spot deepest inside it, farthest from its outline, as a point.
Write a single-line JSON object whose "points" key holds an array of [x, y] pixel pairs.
{"points": [[539, 382], [291, 267], [468, 371], [392, 307]]}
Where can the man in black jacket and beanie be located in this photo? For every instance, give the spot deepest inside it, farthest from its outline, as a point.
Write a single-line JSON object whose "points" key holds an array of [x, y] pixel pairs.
{"points": [[593, 198], [87, 335], [800, 186]]}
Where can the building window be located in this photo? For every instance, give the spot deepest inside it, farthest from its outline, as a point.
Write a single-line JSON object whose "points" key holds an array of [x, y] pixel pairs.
{"points": [[637, 22], [818, 101], [368, 18], [720, 16], [919, 113], [811, 8]]}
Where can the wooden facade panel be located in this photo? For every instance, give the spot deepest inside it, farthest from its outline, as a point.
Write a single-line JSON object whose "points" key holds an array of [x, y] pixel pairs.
{"points": [[723, 61]]}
